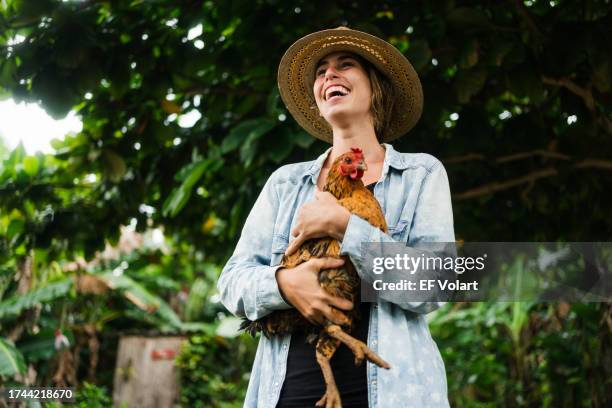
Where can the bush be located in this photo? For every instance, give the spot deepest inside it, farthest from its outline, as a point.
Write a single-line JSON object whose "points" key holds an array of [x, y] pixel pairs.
{"points": [[215, 370]]}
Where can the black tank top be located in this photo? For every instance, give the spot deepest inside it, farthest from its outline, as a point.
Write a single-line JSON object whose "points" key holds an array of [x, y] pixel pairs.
{"points": [[304, 384]]}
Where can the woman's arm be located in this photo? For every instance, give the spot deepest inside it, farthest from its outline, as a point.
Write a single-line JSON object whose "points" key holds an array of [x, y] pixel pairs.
{"points": [[247, 284]]}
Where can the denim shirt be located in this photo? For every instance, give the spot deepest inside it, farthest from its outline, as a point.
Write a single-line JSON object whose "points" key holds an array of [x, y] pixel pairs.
{"points": [[414, 195]]}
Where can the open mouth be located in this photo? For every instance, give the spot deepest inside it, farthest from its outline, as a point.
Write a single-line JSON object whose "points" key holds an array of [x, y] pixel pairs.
{"points": [[336, 92]]}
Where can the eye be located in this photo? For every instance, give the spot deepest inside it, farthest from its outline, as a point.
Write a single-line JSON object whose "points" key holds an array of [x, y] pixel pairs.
{"points": [[347, 160], [320, 72]]}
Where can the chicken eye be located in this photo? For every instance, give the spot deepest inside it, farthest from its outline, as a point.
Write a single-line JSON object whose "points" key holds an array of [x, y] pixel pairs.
{"points": [[347, 160]]}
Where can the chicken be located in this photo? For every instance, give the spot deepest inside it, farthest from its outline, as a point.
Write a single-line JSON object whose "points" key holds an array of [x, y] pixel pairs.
{"points": [[343, 182]]}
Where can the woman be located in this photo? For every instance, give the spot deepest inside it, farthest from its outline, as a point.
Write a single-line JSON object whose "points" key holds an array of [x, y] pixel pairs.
{"points": [[353, 90]]}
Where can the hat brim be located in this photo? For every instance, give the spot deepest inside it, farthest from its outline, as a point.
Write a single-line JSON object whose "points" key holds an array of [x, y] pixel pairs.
{"points": [[296, 72]]}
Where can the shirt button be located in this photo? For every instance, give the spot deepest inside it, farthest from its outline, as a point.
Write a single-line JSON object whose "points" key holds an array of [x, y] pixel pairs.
{"points": [[373, 382], [276, 384], [284, 347], [374, 342]]}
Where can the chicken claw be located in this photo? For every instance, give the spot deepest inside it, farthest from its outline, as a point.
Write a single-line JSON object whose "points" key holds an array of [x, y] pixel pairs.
{"points": [[331, 399], [359, 348]]}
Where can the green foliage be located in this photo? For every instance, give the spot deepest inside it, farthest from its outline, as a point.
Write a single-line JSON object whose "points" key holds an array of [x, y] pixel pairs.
{"points": [[214, 370], [93, 396], [557, 356], [17, 304], [11, 360]]}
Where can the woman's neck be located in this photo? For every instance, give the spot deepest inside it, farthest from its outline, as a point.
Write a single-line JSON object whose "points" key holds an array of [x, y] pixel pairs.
{"points": [[356, 135]]}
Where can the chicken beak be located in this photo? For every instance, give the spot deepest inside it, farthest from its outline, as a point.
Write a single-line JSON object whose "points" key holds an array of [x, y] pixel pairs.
{"points": [[362, 165]]}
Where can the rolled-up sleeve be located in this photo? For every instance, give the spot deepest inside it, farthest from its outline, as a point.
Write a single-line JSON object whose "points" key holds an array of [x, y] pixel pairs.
{"points": [[247, 284], [432, 223]]}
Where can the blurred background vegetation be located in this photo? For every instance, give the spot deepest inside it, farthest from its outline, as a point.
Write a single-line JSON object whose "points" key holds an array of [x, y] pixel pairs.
{"points": [[125, 227]]}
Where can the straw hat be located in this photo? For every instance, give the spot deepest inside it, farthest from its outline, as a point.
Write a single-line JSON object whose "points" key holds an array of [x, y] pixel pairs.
{"points": [[296, 76]]}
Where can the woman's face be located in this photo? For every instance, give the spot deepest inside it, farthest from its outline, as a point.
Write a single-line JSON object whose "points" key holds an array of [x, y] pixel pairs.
{"points": [[342, 88]]}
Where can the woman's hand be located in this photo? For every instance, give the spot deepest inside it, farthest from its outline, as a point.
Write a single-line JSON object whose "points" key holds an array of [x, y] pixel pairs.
{"points": [[300, 287], [323, 217]]}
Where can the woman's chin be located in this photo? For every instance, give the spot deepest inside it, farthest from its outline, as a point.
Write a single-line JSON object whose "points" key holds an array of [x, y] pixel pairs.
{"points": [[342, 117]]}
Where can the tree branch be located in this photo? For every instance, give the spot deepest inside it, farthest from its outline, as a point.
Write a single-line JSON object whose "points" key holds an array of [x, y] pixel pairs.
{"points": [[504, 185], [586, 95], [496, 186], [524, 155], [508, 158], [461, 159]]}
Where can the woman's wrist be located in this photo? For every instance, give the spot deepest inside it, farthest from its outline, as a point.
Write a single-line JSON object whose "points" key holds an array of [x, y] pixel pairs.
{"points": [[340, 220], [280, 282]]}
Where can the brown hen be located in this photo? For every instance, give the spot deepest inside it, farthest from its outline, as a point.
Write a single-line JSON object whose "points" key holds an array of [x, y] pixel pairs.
{"points": [[343, 182]]}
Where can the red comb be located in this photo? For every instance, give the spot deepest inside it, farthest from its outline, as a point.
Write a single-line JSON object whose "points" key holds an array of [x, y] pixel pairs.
{"points": [[356, 150]]}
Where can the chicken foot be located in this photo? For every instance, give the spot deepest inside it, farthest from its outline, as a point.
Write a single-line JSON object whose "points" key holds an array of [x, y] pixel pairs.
{"points": [[359, 348], [326, 347]]}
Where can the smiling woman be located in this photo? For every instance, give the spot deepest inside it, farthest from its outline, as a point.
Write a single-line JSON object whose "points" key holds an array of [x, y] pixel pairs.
{"points": [[380, 107], [354, 91]]}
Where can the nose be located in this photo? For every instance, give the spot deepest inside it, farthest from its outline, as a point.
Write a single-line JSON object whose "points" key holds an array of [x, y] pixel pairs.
{"points": [[330, 73]]}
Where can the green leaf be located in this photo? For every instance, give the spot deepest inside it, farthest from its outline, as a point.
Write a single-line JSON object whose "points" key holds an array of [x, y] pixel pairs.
{"points": [[11, 360], [7, 73], [246, 132], [15, 305], [179, 196], [30, 165], [142, 298], [17, 156], [15, 227]]}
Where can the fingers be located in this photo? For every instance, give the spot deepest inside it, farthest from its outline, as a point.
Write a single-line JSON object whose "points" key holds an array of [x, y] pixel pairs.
{"points": [[322, 312], [340, 303], [295, 244], [328, 262]]}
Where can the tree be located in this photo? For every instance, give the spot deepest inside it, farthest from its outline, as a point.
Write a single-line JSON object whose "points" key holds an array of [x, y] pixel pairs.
{"points": [[516, 100]]}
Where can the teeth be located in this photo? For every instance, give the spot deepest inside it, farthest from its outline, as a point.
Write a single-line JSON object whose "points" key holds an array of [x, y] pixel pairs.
{"points": [[336, 88]]}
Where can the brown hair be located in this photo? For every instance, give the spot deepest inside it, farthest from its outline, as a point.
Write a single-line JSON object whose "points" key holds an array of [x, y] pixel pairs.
{"points": [[383, 97]]}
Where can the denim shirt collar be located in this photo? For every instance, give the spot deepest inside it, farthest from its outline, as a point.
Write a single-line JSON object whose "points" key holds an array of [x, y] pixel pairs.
{"points": [[392, 159]]}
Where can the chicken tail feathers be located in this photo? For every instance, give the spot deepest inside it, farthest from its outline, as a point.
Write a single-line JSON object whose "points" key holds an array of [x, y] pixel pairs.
{"points": [[250, 327]]}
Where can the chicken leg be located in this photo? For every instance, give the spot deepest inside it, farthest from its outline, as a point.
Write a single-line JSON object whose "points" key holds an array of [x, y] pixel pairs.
{"points": [[326, 347], [358, 347]]}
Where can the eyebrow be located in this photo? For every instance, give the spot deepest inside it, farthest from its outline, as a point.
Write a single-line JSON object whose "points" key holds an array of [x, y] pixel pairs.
{"points": [[341, 57]]}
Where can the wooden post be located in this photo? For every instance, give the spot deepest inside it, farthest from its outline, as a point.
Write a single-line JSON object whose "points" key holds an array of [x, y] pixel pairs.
{"points": [[145, 374]]}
